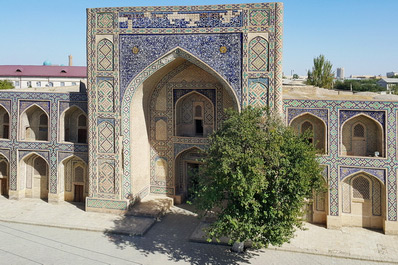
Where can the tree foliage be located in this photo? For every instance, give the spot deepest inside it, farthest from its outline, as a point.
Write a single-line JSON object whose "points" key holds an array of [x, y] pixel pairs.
{"points": [[5, 84], [321, 74], [359, 85], [255, 178]]}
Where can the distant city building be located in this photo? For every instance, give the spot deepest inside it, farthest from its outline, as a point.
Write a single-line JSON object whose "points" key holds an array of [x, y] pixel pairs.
{"points": [[364, 77], [392, 74], [388, 82], [35, 76], [340, 73]]}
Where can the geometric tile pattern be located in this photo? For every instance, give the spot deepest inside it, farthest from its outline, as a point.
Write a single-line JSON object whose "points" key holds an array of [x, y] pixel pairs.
{"points": [[156, 31], [105, 20], [204, 47], [105, 96], [105, 55], [377, 115], [17, 149], [108, 204], [106, 178], [258, 54], [323, 114], [183, 19], [258, 17], [378, 173], [258, 92], [106, 135], [384, 169], [376, 197]]}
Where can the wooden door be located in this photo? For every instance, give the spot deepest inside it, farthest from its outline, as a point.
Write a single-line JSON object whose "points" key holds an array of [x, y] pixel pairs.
{"points": [[78, 193]]}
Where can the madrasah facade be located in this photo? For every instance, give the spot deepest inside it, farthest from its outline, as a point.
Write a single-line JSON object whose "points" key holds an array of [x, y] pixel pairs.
{"points": [[158, 82]]}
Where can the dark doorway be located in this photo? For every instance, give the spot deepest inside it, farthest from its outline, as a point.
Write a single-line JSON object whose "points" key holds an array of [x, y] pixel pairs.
{"points": [[82, 136], [192, 178], [78, 194], [199, 127], [3, 187]]}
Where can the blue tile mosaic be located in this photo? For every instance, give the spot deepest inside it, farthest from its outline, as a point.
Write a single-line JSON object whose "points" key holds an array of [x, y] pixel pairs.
{"points": [[181, 19], [205, 47]]}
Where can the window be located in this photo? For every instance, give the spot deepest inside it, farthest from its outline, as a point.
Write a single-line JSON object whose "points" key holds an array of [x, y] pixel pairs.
{"points": [[50, 84], [361, 188], [73, 83], [306, 127], [62, 83], [16, 83], [29, 83], [38, 84], [359, 131], [82, 129], [198, 127], [43, 127]]}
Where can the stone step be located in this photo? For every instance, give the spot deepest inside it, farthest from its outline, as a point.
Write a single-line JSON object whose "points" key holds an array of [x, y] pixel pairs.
{"points": [[151, 206]]}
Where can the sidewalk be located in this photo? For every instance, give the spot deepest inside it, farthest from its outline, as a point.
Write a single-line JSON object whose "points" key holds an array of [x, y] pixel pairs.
{"points": [[349, 242], [71, 216]]}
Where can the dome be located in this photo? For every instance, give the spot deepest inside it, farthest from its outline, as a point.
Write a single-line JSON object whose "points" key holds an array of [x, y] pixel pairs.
{"points": [[46, 62]]}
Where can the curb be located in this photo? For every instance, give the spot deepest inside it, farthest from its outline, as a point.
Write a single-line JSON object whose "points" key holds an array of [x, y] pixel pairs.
{"points": [[82, 228], [333, 255]]}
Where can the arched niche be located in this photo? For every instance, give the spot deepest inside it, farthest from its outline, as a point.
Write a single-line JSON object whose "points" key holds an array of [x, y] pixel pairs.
{"points": [[362, 136], [34, 123], [4, 176], [4, 123], [317, 128], [363, 201], [34, 172], [73, 125], [73, 172], [194, 116], [147, 100]]}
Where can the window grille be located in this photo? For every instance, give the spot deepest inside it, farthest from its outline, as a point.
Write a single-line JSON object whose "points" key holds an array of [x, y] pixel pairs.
{"points": [[361, 188], [359, 131]]}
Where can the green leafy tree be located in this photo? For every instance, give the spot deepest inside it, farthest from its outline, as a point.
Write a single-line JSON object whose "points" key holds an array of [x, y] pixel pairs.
{"points": [[5, 84], [295, 76], [321, 74], [359, 85], [255, 178]]}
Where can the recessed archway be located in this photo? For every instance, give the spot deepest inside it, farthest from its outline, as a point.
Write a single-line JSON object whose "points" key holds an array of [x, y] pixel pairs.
{"points": [[73, 172], [362, 135], [363, 201], [34, 124], [73, 125], [148, 115], [315, 126], [4, 176], [194, 115], [35, 176], [4, 123]]}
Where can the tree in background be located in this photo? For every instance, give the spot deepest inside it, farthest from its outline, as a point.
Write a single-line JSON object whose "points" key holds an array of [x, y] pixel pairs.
{"points": [[255, 178], [5, 84], [321, 74], [359, 85], [295, 76]]}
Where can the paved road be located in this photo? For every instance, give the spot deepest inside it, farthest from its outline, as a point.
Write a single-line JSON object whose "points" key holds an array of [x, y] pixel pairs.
{"points": [[26, 244]]}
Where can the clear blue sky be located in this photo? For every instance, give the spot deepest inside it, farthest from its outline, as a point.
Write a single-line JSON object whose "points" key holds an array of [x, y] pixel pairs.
{"points": [[359, 35]]}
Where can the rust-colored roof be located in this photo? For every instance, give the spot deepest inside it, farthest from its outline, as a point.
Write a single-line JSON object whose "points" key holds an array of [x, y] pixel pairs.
{"points": [[43, 71]]}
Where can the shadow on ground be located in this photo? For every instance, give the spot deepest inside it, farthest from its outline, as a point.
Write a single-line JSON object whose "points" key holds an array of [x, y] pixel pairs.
{"points": [[171, 237]]}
